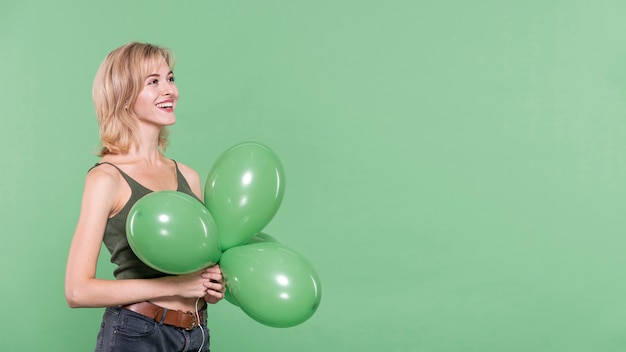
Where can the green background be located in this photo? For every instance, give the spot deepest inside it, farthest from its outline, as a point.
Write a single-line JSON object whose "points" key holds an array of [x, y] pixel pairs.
{"points": [[455, 169]]}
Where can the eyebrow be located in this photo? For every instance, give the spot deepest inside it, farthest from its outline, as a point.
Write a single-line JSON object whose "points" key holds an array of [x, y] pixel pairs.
{"points": [[158, 75]]}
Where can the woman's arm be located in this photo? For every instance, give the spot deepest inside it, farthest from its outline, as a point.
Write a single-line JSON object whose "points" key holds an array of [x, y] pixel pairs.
{"points": [[82, 288]]}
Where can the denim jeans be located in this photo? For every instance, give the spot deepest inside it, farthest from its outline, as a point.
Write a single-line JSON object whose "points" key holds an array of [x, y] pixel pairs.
{"points": [[124, 330]]}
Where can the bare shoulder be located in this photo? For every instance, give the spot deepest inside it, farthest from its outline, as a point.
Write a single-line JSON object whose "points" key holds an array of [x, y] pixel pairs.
{"points": [[189, 173], [103, 175], [104, 183]]}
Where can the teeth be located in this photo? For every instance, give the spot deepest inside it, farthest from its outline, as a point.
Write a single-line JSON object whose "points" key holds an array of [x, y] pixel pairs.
{"points": [[165, 105]]}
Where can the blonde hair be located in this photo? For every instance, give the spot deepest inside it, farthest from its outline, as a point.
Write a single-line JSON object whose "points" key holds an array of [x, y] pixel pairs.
{"points": [[117, 84]]}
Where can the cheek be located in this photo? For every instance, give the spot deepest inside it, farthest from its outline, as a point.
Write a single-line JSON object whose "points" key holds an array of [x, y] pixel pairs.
{"points": [[141, 104], [144, 98]]}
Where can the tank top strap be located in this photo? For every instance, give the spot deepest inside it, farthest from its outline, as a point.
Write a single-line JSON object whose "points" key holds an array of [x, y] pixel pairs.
{"points": [[178, 173], [131, 181], [183, 185], [180, 178]]}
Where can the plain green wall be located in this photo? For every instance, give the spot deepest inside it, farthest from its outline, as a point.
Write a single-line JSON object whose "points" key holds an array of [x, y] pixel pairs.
{"points": [[455, 169]]}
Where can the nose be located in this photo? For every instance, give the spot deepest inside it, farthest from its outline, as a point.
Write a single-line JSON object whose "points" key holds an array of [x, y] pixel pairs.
{"points": [[169, 89]]}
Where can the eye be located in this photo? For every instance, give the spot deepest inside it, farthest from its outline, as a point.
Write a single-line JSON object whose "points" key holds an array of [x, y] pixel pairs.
{"points": [[170, 79], [153, 82]]}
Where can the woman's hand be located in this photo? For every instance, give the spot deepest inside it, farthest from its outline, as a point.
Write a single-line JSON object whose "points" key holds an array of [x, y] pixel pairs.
{"points": [[193, 285], [214, 285]]}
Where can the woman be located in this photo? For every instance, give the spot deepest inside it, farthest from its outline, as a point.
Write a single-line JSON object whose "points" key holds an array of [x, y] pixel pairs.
{"points": [[135, 96]]}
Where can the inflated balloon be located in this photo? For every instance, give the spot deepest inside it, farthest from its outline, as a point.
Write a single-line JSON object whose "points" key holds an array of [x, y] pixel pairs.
{"points": [[262, 237], [243, 191], [259, 237], [271, 283], [173, 232], [229, 298]]}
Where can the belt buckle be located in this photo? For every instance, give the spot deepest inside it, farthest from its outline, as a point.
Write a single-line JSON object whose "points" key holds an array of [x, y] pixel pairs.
{"points": [[193, 323]]}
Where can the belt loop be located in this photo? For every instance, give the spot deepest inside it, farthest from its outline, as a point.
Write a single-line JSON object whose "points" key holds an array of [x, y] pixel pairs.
{"points": [[164, 314], [162, 310]]}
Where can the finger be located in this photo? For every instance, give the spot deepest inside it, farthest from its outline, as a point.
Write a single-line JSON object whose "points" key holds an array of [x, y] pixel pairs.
{"points": [[213, 269], [213, 277], [212, 299], [215, 293], [215, 286]]}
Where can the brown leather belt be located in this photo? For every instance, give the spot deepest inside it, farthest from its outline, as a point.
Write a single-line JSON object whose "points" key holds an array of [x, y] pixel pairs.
{"points": [[178, 318]]}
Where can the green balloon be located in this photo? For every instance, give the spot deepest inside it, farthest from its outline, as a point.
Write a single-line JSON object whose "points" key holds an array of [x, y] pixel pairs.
{"points": [[259, 237], [271, 283], [262, 237], [243, 191], [229, 298], [173, 232]]}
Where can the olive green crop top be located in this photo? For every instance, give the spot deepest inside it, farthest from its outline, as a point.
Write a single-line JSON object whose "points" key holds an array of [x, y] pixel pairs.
{"points": [[128, 265]]}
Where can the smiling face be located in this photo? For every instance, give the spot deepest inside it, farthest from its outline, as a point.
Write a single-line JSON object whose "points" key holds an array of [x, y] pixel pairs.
{"points": [[131, 92], [157, 99]]}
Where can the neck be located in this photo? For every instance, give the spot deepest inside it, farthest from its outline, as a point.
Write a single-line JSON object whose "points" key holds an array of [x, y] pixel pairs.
{"points": [[148, 149]]}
